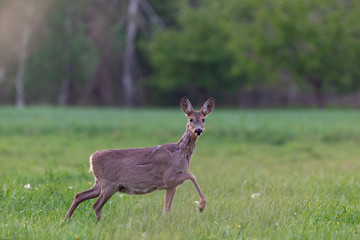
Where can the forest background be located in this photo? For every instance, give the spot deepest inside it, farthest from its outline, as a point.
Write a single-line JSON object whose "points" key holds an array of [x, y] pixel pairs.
{"points": [[141, 53]]}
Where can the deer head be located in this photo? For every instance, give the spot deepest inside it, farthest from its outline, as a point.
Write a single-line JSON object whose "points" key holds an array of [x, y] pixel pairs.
{"points": [[196, 119]]}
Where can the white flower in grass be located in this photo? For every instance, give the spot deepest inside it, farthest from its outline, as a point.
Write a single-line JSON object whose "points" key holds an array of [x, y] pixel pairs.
{"points": [[255, 195], [27, 186], [197, 203], [70, 187]]}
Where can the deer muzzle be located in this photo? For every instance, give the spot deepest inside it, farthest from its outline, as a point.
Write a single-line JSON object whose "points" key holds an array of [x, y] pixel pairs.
{"points": [[198, 131]]}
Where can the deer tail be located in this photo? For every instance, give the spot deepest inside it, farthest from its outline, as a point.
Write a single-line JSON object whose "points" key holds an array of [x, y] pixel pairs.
{"points": [[91, 168]]}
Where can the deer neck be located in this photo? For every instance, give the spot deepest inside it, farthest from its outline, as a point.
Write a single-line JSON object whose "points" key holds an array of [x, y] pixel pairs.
{"points": [[187, 144]]}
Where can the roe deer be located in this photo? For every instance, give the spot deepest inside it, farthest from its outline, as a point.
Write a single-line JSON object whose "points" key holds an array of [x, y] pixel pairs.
{"points": [[144, 170]]}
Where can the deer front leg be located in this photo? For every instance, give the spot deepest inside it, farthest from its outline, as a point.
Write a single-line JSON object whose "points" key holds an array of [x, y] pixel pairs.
{"points": [[169, 195], [179, 179], [202, 197]]}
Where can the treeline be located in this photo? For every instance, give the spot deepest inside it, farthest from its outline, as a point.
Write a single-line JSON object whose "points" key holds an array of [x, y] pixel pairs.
{"points": [[152, 52]]}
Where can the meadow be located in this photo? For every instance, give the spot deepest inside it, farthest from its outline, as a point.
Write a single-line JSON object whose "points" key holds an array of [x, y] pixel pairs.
{"points": [[266, 174]]}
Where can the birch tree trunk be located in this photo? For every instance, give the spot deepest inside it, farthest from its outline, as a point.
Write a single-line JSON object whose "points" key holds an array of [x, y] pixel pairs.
{"points": [[149, 10], [20, 75], [65, 81], [129, 55]]}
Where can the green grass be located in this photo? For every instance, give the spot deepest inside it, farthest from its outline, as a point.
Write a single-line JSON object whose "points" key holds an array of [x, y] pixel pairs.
{"points": [[304, 163]]}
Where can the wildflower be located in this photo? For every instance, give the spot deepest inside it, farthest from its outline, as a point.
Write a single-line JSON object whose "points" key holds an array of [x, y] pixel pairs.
{"points": [[197, 203], [239, 226], [27, 186], [310, 230], [255, 195], [70, 187], [337, 222], [77, 237]]}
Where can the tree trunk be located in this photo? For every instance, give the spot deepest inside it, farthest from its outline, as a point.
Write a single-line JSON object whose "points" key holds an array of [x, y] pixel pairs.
{"points": [[20, 75], [319, 95], [129, 55], [65, 81], [317, 86], [291, 94]]}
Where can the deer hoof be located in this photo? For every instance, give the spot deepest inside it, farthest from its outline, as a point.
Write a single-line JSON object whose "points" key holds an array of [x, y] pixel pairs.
{"points": [[64, 221], [201, 209]]}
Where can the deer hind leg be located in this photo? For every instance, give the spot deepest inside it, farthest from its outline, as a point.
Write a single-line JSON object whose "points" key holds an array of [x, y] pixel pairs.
{"points": [[82, 196], [169, 195], [105, 195]]}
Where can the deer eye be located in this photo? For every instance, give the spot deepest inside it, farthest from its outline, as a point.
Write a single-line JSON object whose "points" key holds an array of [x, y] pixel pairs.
{"points": [[203, 120], [191, 120]]}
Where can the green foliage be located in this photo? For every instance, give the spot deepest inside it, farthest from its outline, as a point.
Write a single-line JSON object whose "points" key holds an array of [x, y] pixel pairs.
{"points": [[304, 164], [209, 47], [316, 41], [193, 55], [251, 43], [246, 43]]}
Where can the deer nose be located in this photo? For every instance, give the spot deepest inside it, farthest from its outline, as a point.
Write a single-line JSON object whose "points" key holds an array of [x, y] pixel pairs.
{"points": [[198, 131]]}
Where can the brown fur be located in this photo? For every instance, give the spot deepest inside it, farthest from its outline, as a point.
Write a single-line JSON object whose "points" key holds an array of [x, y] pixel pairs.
{"points": [[143, 170]]}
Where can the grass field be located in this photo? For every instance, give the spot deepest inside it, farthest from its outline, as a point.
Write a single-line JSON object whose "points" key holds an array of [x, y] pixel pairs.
{"points": [[301, 165]]}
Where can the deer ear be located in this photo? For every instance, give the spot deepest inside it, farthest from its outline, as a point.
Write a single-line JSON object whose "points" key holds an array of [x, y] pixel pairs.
{"points": [[208, 107], [186, 106]]}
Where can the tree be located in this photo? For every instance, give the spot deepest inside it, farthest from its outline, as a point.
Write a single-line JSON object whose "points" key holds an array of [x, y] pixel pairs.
{"points": [[129, 55], [65, 81], [20, 75], [130, 44], [192, 57], [315, 40]]}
